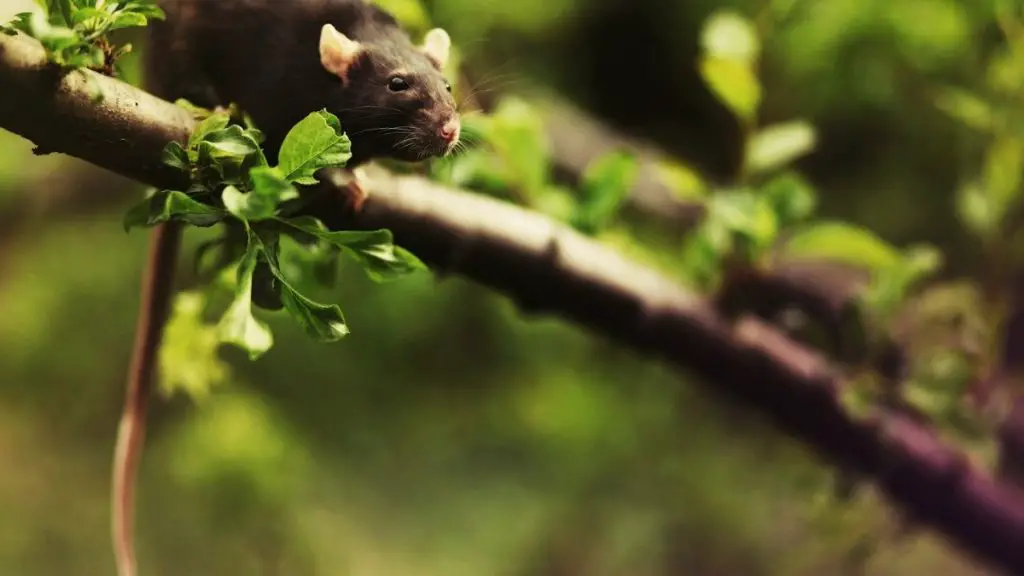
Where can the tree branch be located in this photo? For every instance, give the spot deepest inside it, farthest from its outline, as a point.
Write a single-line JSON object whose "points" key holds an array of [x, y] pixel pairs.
{"points": [[546, 267]]}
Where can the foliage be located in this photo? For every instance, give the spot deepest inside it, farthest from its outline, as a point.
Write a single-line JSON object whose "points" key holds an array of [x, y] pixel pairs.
{"points": [[74, 32], [232, 184], [766, 216]]}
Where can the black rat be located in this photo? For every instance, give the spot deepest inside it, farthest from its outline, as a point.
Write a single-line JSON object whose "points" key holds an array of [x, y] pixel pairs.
{"points": [[278, 60], [281, 60]]}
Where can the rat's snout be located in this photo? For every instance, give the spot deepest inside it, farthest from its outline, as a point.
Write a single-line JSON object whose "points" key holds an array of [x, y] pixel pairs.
{"points": [[449, 131]]}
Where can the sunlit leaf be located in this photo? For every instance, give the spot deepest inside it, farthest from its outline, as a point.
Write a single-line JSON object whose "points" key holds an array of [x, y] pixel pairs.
{"points": [[966, 107], [730, 35], [734, 83], [684, 182], [316, 142], [842, 242], [778, 145]]}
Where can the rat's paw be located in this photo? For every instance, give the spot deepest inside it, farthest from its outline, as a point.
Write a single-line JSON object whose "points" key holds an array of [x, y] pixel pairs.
{"points": [[355, 191]]}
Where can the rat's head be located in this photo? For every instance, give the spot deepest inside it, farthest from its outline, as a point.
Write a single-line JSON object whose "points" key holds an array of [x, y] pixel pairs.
{"points": [[393, 98]]}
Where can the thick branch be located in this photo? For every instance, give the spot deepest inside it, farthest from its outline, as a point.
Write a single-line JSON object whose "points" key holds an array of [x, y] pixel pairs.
{"points": [[546, 267]]}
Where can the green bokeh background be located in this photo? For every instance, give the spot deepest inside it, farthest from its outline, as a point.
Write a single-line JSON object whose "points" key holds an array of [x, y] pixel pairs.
{"points": [[448, 435]]}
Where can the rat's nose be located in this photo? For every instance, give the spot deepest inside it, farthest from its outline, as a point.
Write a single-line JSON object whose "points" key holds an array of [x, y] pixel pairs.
{"points": [[450, 129]]}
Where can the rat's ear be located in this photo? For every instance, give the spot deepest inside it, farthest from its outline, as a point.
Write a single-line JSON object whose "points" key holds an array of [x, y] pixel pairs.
{"points": [[436, 45], [337, 51]]}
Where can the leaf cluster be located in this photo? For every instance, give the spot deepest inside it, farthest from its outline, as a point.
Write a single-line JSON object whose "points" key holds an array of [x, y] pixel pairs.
{"points": [[510, 159], [74, 32], [275, 251]]}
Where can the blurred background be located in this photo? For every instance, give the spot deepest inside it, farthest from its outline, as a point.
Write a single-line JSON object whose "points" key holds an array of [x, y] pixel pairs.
{"points": [[448, 435]]}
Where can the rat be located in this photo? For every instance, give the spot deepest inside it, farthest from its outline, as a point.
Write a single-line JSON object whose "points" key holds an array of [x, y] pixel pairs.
{"points": [[279, 61]]}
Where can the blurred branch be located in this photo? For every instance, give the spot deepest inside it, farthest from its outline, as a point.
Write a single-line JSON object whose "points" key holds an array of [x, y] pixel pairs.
{"points": [[546, 267], [826, 292]]}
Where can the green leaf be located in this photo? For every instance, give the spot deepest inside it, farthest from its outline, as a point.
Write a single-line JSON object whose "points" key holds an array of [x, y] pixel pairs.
{"points": [[748, 217], [82, 15], [731, 50], [188, 356], [684, 182], [232, 153], [316, 142], [703, 252], [175, 156], [123, 19], [890, 285], [21, 22], [605, 185], [968, 108], [728, 34], [144, 7], [323, 322], [792, 198], [269, 189], [778, 145], [238, 326], [61, 9], [171, 205], [515, 132], [1002, 173], [735, 84], [975, 209], [374, 249], [211, 123], [842, 242]]}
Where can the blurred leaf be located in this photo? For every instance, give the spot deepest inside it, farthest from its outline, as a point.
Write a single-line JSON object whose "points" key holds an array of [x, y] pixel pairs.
{"points": [[975, 209], [316, 142], [792, 198], [1006, 71], [749, 217], [188, 355], [238, 326], [891, 284], [703, 251], [780, 144], [729, 35], [684, 183], [516, 132], [966, 107], [605, 184], [728, 63], [735, 83], [171, 204], [1002, 173], [842, 242]]}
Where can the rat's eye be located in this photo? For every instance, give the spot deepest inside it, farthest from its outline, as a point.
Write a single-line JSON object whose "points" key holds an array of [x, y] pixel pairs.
{"points": [[398, 84], [447, 86]]}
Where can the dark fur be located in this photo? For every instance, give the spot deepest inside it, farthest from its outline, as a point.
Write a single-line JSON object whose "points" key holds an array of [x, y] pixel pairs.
{"points": [[264, 56]]}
